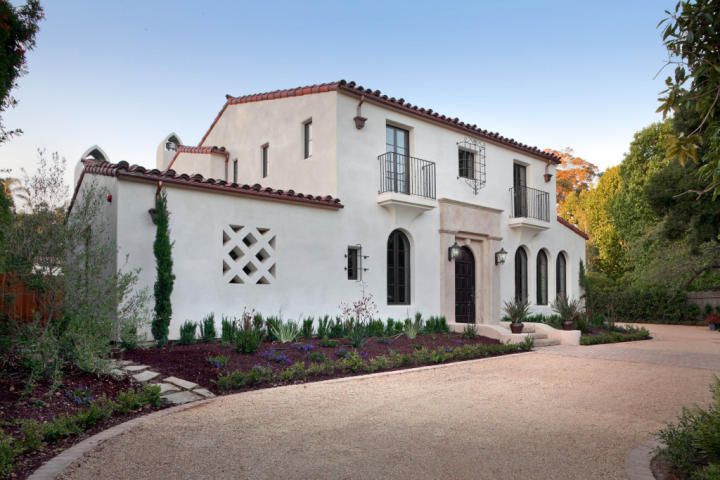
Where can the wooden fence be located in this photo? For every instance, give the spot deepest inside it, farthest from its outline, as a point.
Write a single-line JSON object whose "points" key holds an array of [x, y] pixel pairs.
{"points": [[701, 299], [17, 301]]}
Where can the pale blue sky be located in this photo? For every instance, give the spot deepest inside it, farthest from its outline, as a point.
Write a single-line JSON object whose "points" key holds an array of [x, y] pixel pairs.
{"points": [[551, 74]]}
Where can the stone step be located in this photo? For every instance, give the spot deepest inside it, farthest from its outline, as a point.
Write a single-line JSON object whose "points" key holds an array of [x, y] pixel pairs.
{"points": [[545, 342], [537, 336]]}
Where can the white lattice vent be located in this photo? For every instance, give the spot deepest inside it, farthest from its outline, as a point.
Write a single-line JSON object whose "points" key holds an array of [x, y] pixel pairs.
{"points": [[248, 255]]}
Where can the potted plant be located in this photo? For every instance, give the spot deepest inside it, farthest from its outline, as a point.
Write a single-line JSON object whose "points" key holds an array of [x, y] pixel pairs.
{"points": [[517, 310], [568, 310]]}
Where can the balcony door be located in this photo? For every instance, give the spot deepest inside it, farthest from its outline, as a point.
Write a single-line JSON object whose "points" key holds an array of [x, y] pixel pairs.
{"points": [[520, 190], [397, 171]]}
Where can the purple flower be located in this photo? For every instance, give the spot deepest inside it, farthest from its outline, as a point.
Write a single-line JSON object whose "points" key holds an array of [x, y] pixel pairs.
{"points": [[276, 356], [305, 347]]}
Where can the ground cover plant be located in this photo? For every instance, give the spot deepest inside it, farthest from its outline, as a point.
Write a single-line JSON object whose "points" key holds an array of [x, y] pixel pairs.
{"points": [[692, 445]]}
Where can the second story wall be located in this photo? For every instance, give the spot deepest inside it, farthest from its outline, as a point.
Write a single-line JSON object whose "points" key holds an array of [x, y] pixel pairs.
{"points": [[276, 129], [360, 170]]}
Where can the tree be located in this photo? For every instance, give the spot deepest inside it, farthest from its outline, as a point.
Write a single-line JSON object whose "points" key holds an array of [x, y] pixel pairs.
{"points": [[18, 28], [573, 174], [164, 270], [692, 35], [6, 211]]}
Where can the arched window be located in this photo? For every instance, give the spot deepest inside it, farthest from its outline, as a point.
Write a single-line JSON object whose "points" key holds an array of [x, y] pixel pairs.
{"points": [[398, 269], [521, 284], [542, 278], [561, 276]]}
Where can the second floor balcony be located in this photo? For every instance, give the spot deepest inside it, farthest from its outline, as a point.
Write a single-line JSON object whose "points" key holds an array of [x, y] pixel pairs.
{"points": [[529, 208], [406, 182]]}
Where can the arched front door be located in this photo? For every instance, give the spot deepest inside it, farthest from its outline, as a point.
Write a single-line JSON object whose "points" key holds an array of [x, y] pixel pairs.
{"points": [[465, 287]]}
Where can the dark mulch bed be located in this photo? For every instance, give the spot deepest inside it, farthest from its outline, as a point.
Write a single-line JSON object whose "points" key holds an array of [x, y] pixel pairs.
{"points": [[190, 362], [43, 405], [662, 469]]}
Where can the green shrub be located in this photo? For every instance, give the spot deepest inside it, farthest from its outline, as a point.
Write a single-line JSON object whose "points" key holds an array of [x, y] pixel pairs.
{"points": [[692, 445], [162, 249], [294, 372], [8, 452], [437, 325], [324, 368], [307, 329], [351, 362], [32, 435], [411, 329], [323, 330], [228, 330], [207, 328], [337, 329], [218, 361], [711, 472], [316, 357], [517, 309], [271, 326], [469, 331], [626, 335], [129, 336], [358, 335], [132, 400], [248, 337], [285, 332], [375, 328], [327, 343], [188, 331]]}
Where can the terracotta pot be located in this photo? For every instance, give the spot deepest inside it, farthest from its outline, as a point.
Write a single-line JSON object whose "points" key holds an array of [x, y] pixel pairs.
{"points": [[568, 325], [516, 327]]}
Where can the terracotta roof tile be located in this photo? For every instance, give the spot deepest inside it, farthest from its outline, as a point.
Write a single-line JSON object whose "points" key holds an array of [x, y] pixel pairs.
{"points": [[399, 104], [572, 227], [125, 170]]}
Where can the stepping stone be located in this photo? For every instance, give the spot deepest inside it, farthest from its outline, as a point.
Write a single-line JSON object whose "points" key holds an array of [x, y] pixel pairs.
{"points": [[181, 397], [145, 376], [204, 392], [136, 368], [122, 363], [181, 383], [167, 387], [117, 374]]}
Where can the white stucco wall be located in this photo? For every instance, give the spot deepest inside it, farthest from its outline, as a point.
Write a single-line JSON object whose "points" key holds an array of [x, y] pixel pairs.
{"points": [[244, 128]]}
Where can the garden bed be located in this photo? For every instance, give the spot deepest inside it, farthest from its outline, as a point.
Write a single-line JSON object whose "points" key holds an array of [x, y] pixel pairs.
{"points": [[311, 359], [616, 334], [77, 393]]}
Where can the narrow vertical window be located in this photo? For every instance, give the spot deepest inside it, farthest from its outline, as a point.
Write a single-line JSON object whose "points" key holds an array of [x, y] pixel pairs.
{"points": [[398, 269], [542, 278], [265, 160], [307, 139], [561, 276], [235, 171], [521, 291], [353, 263]]}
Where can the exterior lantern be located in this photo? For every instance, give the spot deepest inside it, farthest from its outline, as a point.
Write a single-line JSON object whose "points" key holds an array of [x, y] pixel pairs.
{"points": [[153, 215], [500, 256], [453, 252]]}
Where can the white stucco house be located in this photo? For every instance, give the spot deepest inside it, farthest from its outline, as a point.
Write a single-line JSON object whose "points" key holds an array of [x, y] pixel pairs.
{"points": [[294, 199]]}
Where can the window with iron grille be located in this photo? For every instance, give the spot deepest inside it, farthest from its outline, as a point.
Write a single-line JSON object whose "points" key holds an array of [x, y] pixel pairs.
{"points": [[471, 163], [466, 164], [353, 263]]}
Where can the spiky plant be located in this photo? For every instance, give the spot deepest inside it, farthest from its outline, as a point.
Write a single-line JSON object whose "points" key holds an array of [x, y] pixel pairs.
{"points": [[517, 310], [568, 309]]}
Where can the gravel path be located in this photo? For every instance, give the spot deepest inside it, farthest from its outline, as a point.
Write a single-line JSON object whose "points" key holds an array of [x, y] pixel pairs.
{"points": [[560, 413]]}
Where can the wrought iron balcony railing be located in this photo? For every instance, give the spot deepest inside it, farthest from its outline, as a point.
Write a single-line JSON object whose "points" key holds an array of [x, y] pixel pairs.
{"points": [[530, 203], [409, 175]]}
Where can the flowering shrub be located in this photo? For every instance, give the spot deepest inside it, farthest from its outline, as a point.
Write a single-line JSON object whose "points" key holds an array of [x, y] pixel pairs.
{"points": [[276, 356]]}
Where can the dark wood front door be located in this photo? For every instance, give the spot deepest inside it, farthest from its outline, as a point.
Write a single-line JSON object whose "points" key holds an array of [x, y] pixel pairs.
{"points": [[465, 287]]}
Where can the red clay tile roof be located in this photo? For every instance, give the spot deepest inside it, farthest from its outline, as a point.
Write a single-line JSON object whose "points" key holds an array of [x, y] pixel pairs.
{"points": [[199, 150], [397, 103], [124, 170], [573, 228]]}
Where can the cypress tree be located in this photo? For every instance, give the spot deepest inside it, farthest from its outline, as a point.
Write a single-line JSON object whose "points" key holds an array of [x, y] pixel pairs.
{"points": [[164, 265]]}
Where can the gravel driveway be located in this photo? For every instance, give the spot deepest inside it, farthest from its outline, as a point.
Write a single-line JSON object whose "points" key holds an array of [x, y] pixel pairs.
{"points": [[557, 413]]}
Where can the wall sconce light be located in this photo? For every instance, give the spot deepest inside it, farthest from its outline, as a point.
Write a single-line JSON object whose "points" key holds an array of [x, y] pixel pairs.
{"points": [[453, 252], [153, 215], [548, 177], [500, 256]]}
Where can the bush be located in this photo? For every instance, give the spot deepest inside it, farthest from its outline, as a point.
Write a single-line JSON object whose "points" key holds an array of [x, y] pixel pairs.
{"points": [[327, 343], [625, 335], [249, 336], [375, 328], [162, 249], [469, 331], [271, 326], [692, 445], [218, 361], [318, 357], [8, 452], [285, 332], [207, 328], [412, 328], [437, 325], [133, 400], [358, 335], [307, 329], [239, 379], [337, 329], [229, 329], [323, 330], [187, 333]]}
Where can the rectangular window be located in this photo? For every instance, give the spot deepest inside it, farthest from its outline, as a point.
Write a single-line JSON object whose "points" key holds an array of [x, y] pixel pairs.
{"points": [[307, 139], [235, 171], [354, 259], [466, 164], [265, 160]]}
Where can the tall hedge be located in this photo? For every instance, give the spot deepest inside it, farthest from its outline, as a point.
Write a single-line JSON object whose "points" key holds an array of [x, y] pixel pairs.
{"points": [[164, 269]]}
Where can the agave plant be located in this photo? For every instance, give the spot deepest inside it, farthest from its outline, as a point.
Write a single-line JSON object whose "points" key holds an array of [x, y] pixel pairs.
{"points": [[285, 332], [568, 309], [517, 310]]}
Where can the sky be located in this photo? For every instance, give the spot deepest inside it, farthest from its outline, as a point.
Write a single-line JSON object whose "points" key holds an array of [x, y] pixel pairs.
{"points": [[123, 75]]}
